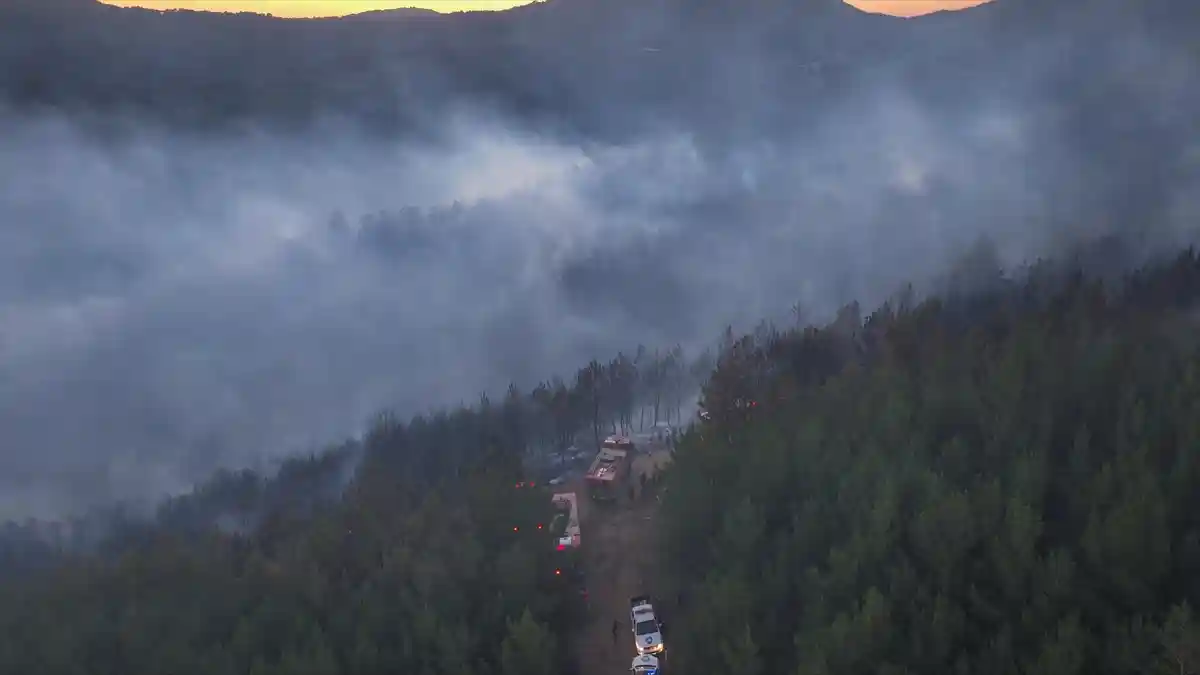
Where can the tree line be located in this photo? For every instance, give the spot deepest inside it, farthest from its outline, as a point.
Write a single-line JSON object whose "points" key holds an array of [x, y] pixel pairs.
{"points": [[398, 574], [626, 393], [406, 550], [1005, 483]]}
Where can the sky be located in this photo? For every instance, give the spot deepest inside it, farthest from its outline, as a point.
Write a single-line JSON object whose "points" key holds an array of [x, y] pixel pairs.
{"points": [[313, 8]]}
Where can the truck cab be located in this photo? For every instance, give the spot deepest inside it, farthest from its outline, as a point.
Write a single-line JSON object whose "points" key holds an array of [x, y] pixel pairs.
{"points": [[620, 443], [647, 631]]}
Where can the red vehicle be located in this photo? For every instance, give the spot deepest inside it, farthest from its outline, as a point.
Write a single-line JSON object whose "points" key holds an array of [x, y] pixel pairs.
{"points": [[610, 471]]}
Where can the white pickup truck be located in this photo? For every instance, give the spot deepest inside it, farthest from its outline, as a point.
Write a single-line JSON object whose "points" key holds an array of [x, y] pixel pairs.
{"points": [[647, 631], [644, 664]]}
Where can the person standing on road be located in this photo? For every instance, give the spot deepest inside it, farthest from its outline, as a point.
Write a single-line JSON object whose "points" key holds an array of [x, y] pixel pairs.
{"points": [[615, 627]]}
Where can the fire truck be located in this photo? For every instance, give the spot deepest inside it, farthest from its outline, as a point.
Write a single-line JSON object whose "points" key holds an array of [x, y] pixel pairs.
{"points": [[611, 469]]}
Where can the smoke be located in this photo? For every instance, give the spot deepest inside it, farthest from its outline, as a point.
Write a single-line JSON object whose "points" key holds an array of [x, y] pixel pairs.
{"points": [[171, 303]]}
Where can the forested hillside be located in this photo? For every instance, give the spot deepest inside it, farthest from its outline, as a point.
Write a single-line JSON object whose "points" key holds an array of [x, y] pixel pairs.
{"points": [[399, 576], [1005, 483], [994, 482], [406, 551]]}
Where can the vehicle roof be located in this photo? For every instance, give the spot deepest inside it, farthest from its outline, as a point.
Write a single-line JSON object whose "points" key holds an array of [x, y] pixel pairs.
{"points": [[605, 465], [617, 442]]}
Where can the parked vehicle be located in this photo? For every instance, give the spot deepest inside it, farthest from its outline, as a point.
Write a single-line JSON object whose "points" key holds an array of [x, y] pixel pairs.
{"points": [[565, 526], [647, 631], [644, 664], [611, 469]]}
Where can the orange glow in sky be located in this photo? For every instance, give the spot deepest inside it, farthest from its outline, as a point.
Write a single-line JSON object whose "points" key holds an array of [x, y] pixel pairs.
{"points": [[312, 8], [912, 7]]}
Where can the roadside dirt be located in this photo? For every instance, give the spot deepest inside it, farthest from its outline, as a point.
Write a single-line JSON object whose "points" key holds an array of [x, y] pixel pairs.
{"points": [[618, 545]]}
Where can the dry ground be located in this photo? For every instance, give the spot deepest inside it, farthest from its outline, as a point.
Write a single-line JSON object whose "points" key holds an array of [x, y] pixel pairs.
{"points": [[618, 557]]}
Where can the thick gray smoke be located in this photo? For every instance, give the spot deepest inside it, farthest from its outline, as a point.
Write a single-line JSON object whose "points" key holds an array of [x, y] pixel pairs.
{"points": [[172, 303]]}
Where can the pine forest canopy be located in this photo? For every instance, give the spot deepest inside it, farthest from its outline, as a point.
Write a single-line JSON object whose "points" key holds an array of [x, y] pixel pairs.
{"points": [[1000, 482]]}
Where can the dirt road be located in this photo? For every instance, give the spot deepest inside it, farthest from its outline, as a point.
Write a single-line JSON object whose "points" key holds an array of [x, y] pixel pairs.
{"points": [[618, 558]]}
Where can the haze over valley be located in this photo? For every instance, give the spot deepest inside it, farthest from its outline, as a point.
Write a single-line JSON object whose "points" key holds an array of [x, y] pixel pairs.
{"points": [[231, 239]]}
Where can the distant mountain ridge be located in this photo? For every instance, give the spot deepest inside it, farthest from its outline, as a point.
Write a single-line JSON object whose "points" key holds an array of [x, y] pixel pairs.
{"points": [[399, 13], [600, 66]]}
